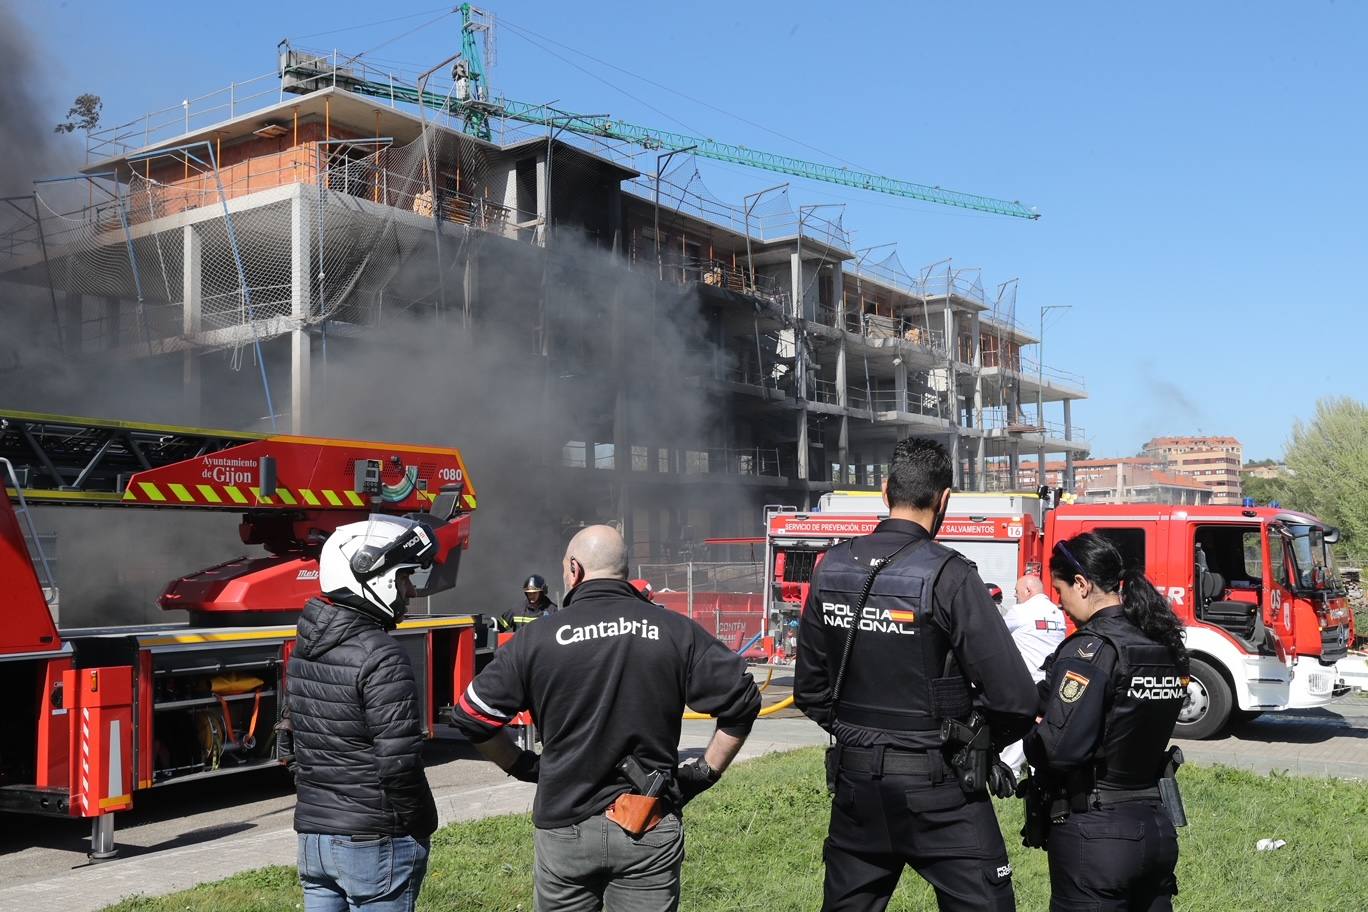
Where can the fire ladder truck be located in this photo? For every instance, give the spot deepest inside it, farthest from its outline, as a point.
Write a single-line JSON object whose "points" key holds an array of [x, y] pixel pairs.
{"points": [[99, 714]]}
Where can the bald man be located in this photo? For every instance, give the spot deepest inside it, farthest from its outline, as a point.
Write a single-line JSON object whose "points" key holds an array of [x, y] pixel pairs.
{"points": [[1037, 628], [607, 678]]}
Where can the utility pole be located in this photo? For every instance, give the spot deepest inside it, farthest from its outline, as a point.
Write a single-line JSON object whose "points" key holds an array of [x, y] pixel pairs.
{"points": [[1040, 388]]}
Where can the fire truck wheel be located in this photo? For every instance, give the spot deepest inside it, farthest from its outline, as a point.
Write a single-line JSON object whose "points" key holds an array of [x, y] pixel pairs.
{"points": [[1207, 707]]}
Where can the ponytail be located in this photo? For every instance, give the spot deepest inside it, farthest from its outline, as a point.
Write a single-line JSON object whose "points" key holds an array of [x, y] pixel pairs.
{"points": [[1151, 612]]}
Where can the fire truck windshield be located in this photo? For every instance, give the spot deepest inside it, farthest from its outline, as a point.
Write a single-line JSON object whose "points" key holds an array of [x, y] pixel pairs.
{"points": [[1312, 557]]}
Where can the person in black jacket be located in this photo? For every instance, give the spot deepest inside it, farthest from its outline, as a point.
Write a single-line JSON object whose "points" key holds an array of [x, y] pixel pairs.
{"points": [[606, 678], [1111, 698], [916, 647], [364, 811]]}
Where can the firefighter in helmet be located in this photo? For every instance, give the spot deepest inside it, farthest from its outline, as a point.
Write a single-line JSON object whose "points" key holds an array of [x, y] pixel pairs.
{"points": [[534, 604]]}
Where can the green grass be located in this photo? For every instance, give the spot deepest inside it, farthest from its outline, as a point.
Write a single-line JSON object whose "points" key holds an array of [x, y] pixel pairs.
{"points": [[754, 843]]}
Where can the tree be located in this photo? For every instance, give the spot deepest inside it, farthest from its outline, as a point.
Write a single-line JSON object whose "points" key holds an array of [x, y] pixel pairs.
{"points": [[83, 115], [1268, 490], [1329, 461]]}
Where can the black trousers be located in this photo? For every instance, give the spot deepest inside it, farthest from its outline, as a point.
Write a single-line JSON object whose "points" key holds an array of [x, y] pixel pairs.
{"points": [[1118, 859], [881, 825]]}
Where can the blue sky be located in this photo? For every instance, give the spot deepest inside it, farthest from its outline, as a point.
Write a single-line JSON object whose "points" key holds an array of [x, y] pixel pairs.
{"points": [[1199, 167]]}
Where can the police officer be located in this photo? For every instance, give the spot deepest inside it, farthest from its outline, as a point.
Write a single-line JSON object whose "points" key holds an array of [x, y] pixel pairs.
{"points": [[532, 606], [884, 662], [1111, 698]]}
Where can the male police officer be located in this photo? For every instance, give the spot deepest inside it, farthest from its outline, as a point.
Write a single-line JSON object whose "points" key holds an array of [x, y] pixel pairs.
{"points": [[887, 659], [534, 605], [607, 681]]}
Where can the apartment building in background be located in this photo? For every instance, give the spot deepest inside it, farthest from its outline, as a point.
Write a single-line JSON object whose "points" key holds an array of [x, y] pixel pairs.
{"points": [[1216, 462]]}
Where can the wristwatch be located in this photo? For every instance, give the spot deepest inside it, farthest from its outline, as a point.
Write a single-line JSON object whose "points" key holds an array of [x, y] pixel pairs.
{"points": [[709, 773]]}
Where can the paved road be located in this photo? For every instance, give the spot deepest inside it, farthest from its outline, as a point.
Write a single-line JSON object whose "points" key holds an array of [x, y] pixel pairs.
{"points": [[1311, 742], [182, 835]]}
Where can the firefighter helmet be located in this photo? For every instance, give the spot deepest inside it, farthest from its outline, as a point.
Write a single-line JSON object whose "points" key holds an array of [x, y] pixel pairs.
{"points": [[995, 593], [536, 584], [644, 587], [361, 563]]}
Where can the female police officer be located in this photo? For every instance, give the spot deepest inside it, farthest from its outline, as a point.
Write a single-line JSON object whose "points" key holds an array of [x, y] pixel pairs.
{"points": [[1109, 704]]}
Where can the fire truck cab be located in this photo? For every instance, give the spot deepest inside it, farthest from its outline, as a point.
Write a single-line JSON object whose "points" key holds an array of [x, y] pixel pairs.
{"points": [[1266, 619]]}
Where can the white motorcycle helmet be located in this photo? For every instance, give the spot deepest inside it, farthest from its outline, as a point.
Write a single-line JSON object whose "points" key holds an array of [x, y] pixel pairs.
{"points": [[360, 563]]}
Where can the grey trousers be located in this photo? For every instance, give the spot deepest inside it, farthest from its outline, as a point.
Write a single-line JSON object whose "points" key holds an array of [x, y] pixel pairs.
{"points": [[594, 866]]}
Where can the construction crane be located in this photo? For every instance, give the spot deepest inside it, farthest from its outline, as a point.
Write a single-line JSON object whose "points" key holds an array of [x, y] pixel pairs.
{"points": [[302, 72]]}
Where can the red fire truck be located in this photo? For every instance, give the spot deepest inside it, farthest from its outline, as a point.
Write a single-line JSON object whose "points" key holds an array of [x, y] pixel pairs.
{"points": [[1266, 619], [99, 714]]}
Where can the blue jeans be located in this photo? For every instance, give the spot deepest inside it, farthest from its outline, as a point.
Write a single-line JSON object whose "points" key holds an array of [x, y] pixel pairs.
{"points": [[594, 865], [340, 874]]}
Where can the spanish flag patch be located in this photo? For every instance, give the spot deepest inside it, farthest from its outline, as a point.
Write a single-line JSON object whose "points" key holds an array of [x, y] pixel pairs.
{"points": [[903, 617], [1072, 687]]}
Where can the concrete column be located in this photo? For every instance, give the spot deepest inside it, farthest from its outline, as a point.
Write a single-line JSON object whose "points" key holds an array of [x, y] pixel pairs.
{"points": [[192, 318], [951, 375], [955, 457], [802, 445], [841, 373], [301, 305], [543, 201], [1014, 464], [842, 397], [838, 302], [976, 420], [1068, 454], [981, 464], [900, 386], [470, 283]]}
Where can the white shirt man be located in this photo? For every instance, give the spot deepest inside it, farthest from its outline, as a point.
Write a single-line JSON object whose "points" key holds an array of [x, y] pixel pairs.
{"points": [[1037, 628]]}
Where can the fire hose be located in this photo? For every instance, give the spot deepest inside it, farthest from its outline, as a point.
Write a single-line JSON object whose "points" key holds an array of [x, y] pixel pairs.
{"points": [[767, 711]]}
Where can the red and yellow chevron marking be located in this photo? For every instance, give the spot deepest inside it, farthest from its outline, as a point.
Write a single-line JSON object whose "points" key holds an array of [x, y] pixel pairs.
{"points": [[214, 495], [903, 617]]}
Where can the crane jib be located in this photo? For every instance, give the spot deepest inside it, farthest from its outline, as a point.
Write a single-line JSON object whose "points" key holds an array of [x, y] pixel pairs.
{"points": [[478, 112]]}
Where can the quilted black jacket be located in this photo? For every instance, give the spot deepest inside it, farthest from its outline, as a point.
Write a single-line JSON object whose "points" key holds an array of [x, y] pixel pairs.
{"points": [[353, 706]]}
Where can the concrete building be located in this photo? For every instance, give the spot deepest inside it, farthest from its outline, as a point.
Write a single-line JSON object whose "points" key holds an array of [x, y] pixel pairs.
{"points": [[284, 235], [1214, 461]]}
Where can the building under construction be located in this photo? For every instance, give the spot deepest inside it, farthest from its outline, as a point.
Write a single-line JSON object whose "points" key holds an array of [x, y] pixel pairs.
{"points": [[686, 359]]}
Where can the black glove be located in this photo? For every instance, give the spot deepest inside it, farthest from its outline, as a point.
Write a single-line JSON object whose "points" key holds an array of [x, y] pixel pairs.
{"points": [[694, 777], [527, 767], [1001, 780], [284, 746]]}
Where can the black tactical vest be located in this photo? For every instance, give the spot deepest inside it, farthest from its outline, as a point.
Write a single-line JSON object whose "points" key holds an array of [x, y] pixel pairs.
{"points": [[1147, 691], [899, 650]]}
